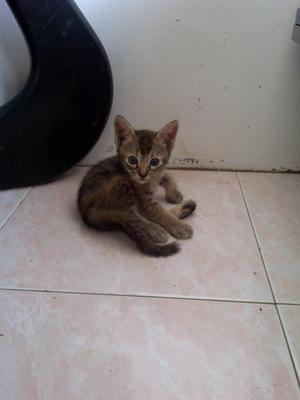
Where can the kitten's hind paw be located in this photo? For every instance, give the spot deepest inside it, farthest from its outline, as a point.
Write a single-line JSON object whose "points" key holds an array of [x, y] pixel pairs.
{"points": [[158, 234], [188, 207], [185, 209], [181, 231]]}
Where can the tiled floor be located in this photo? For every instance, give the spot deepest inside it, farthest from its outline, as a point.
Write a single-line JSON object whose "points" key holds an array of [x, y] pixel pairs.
{"points": [[220, 320]]}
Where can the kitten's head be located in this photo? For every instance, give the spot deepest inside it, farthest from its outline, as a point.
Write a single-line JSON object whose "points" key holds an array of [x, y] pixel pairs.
{"points": [[144, 153]]}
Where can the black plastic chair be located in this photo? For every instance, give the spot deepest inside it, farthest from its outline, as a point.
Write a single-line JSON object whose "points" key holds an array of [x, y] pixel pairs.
{"points": [[61, 112]]}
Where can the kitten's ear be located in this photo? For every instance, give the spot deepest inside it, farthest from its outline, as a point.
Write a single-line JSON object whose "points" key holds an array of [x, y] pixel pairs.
{"points": [[168, 133], [123, 130]]}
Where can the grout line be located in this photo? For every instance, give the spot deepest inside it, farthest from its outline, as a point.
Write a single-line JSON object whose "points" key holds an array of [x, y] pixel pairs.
{"points": [[146, 296], [288, 346], [288, 304], [269, 280], [256, 238], [15, 208]]}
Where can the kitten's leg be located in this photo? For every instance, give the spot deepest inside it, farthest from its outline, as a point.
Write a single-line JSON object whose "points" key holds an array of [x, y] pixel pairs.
{"points": [[154, 212], [185, 209], [172, 193], [111, 219], [157, 233]]}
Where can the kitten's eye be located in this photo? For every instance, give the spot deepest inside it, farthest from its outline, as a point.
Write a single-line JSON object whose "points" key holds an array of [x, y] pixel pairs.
{"points": [[154, 162], [132, 160]]}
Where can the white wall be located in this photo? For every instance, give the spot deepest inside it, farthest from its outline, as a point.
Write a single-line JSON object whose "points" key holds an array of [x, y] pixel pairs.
{"points": [[228, 70], [14, 59]]}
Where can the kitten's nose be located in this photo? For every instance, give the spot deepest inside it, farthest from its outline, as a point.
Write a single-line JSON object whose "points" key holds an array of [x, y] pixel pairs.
{"points": [[143, 174]]}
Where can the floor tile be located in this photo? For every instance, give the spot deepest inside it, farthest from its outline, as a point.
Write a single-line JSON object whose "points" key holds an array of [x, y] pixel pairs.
{"points": [[64, 346], [290, 316], [9, 200], [274, 205], [46, 246]]}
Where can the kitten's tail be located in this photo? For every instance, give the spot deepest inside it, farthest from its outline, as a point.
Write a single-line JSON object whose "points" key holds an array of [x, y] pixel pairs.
{"points": [[135, 229]]}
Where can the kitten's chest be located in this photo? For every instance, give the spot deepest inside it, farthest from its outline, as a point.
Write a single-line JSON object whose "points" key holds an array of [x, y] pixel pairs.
{"points": [[146, 190]]}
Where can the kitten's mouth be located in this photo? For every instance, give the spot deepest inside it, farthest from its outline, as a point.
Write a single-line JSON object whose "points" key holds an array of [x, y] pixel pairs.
{"points": [[142, 181]]}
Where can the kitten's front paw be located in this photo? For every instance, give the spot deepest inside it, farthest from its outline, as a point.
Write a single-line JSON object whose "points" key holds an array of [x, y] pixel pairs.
{"points": [[174, 197], [182, 231]]}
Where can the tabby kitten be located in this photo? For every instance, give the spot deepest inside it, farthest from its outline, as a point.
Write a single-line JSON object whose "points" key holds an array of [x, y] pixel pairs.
{"points": [[117, 193]]}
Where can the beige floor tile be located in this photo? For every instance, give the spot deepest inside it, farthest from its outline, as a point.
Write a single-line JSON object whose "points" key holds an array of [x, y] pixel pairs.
{"points": [[290, 316], [9, 200], [274, 205], [74, 347]]}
